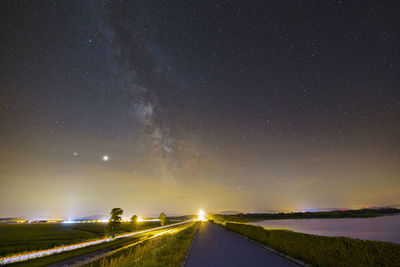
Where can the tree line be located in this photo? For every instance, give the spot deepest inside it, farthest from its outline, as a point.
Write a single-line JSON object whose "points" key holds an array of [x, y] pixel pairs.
{"points": [[116, 218], [361, 213]]}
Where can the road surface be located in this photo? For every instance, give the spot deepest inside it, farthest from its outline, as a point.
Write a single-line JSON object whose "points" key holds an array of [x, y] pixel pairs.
{"points": [[215, 246]]}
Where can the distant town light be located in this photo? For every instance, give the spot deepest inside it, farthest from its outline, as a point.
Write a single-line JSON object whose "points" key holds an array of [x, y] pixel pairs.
{"points": [[202, 216]]}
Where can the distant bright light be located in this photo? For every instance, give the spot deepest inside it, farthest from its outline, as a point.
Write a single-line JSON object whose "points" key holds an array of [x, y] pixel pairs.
{"points": [[202, 216], [75, 153], [139, 219], [105, 158]]}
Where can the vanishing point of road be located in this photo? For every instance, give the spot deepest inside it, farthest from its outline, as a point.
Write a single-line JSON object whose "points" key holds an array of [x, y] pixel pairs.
{"points": [[216, 246]]}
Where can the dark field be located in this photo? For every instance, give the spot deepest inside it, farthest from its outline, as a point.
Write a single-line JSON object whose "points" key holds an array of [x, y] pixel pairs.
{"points": [[18, 238]]}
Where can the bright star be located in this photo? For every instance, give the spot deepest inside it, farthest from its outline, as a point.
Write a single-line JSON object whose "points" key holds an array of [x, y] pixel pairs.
{"points": [[105, 158]]}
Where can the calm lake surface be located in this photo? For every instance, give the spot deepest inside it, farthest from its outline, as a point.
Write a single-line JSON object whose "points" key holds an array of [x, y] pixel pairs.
{"points": [[386, 228]]}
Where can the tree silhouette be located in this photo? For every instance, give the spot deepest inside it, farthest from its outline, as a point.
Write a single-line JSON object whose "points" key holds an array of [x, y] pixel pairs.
{"points": [[115, 221], [163, 218], [134, 222]]}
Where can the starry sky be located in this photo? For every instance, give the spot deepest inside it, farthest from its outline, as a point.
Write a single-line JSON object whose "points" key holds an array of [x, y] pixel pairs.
{"points": [[178, 105]]}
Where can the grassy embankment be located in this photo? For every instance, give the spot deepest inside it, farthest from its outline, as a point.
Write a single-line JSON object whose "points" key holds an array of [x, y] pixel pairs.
{"points": [[167, 250], [109, 246], [322, 250], [361, 213], [19, 238]]}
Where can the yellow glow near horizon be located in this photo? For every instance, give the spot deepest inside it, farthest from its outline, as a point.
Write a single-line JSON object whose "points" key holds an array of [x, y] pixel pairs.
{"points": [[202, 216], [139, 219]]}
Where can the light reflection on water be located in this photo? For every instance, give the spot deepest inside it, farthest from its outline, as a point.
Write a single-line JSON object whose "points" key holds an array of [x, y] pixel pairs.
{"points": [[386, 228]]}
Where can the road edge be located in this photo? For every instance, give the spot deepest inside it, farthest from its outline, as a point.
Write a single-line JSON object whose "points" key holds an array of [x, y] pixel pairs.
{"points": [[190, 248], [287, 257]]}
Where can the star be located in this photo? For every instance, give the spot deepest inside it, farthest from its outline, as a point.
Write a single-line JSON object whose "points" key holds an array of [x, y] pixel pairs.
{"points": [[105, 158]]}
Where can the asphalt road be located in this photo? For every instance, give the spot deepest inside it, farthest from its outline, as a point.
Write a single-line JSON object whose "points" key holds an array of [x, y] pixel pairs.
{"points": [[215, 246]]}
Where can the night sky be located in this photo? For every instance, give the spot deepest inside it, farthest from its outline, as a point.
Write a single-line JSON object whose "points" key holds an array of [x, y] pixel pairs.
{"points": [[221, 105]]}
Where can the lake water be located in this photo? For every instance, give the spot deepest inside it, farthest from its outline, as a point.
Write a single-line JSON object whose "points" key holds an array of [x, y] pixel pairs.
{"points": [[386, 228]]}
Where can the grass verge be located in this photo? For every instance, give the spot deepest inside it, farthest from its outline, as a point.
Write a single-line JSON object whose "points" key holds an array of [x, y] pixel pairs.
{"points": [[167, 250], [322, 250]]}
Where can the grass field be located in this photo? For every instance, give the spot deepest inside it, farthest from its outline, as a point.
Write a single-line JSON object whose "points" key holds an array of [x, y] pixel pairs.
{"points": [[17, 238], [322, 250], [167, 250]]}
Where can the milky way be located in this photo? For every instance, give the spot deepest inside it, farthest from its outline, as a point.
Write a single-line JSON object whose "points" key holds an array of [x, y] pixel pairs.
{"points": [[222, 105]]}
